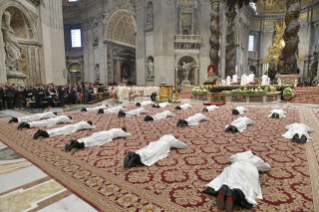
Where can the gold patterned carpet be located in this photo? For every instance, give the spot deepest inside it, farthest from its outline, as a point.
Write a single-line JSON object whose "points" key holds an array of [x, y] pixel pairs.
{"points": [[176, 183]]}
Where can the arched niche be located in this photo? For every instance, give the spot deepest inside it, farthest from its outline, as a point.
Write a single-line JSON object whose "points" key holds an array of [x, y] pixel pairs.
{"points": [[74, 73], [253, 69], [121, 28], [181, 60], [150, 67], [179, 57]]}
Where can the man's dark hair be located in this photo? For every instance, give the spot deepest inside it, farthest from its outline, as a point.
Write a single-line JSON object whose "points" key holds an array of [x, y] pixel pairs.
{"points": [[90, 123], [55, 113], [70, 117]]}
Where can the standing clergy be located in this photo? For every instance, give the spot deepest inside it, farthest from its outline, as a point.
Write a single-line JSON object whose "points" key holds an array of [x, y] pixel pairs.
{"points": [[239, 183], [251, 77], [46, 122], [228, 80], [132, 113], [239, 111], [243, 80], [98, 138], [192, 120], [239, 125], [162, 105], [67, 129], [34, 117], [183, 107], [210, 108], [112, 110], [235, 79], [145, 103], [277, 113], [153, 152], [159, 116], [264, 80], [94, 108], [298, 132]]}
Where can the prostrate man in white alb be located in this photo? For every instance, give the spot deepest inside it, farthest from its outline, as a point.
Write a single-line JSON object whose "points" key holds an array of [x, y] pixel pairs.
{"points": [[192, 120], [132, 113], [239, 111], [98, 138], [46, 122], [85, 109], [239, 125], [239, 183], [162, 105], [159, 116], [277, 113], [298, 132], [183, 107], [34, 117], [112, 110], [210, 108], [145, 103], [67, 129], [153, 152]]}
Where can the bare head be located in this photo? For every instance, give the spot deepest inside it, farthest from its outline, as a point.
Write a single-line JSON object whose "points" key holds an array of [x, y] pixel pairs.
{"points": [[124, 129], [90, 123], [70, 117], [55, 113]]}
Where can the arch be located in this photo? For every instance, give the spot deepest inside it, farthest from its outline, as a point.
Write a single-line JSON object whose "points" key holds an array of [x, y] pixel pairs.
{"points": [[179, 57], [29, 17], [121, 28], [75, 68]]}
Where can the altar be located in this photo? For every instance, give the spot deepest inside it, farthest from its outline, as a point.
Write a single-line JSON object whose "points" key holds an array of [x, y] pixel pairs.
{"points": [[166, 91]]}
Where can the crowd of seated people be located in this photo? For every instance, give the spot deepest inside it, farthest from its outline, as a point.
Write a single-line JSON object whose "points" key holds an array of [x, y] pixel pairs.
{"points": [[40, 96], [307, 83]]}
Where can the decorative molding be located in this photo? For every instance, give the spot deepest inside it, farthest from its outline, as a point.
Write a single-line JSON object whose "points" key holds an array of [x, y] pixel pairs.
{"points": [[34, 2]]}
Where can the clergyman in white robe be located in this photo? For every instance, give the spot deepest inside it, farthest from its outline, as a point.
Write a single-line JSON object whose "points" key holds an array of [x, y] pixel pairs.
{"points": [[112, 110], [145, 103], [192, 120], [94, 108], [98, 138], [34, 117], [264, 80], [65, 130], [297, 131], [210, 108], [159, 116], [239, 110], [135, 112], [47, 122], [240, 124], [153, 152], [183, 107], [243, 79], [242, 174], [277, 113], [162, 105]]}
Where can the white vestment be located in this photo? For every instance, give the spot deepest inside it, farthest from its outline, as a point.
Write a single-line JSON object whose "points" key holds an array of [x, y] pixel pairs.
{"points": [[163, 115], [185, 106], [102, 137], [242, 174], [37, 116], [114, 109], [235, 77], [279, 111], [50, 122], [96, 108], [243, 80], [251, 78], [69, 129], [195, 119], [241, 123], [212, 108], [300, 129], [145, 103], [136, 112], [264, 80], [164, 104], [157, 150], [241, 110], [228, 80]]}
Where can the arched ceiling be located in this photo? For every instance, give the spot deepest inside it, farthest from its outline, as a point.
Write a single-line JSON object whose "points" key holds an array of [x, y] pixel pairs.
{"points": [[276, 6]]}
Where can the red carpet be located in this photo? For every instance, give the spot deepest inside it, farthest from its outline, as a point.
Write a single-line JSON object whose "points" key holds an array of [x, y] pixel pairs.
{"points": [[306, 95], [186, 93], [176, 183]]}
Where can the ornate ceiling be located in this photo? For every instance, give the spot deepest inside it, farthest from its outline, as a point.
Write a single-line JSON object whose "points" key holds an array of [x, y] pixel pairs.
{"points": [[277, 6]]}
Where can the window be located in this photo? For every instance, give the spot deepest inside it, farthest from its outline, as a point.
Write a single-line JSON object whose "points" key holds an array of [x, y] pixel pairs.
{"points": [[72, 0], [254, 6], [76, 38], [251, 45]]}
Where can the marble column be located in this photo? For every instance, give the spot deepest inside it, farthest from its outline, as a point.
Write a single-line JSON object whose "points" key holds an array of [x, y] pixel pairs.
{"points": [[291, 37], [215, 32], [140, 44], [3, 75], [230, 38]]}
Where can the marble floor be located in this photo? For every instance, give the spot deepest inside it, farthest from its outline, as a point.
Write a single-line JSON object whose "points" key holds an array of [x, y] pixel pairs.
{"points": [[36, 191]]}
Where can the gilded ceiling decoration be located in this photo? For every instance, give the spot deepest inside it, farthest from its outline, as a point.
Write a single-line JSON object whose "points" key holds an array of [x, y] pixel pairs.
{"points": [[121, 29], [276, 6]]}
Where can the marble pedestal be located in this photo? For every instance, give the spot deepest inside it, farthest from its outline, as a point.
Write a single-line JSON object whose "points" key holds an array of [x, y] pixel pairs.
{"points": [[17, 79], [186, 83], [289, 79]]}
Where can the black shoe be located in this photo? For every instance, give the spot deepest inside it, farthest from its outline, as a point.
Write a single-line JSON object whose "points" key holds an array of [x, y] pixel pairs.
{"points": [[73, 144], [303, 139], [230, 200], [296, 138], [178, 108], [148, 118], [14, 119], [273, 115], [20, 126], [179, 122], [36, 135], [83, 110], [127, 159], [42, 133], [153, 105], [184, 123], [138, 104], [228, 128], [24, 125], [234, 129], [101, 111], [276, 115], [221, 198]]}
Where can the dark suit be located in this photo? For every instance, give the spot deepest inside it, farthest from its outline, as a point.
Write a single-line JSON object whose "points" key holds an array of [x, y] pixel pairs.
{"points": [[35, 93], [61, 97], [87, 94], [9, 94], [79, 89], [1, 98]]}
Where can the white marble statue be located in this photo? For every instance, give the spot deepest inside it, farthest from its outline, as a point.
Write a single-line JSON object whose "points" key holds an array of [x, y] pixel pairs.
{"points": [[150, 67], [187, 68]]}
